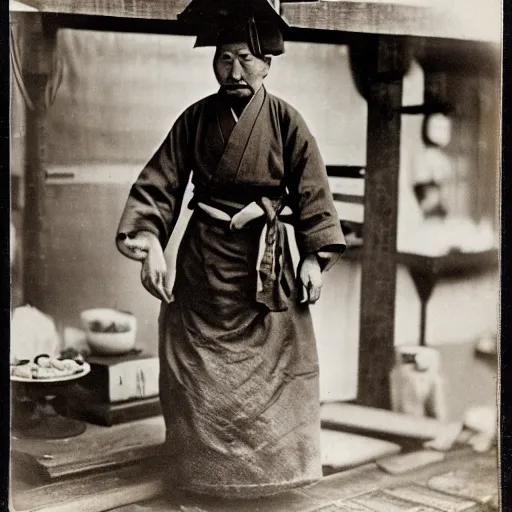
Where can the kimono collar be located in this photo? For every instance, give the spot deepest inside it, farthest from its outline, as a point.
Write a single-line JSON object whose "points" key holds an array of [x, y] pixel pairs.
{"points": [[235, 103], [238, 140]]}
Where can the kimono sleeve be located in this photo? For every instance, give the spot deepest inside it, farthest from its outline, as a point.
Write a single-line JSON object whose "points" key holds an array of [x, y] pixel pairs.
{"points": [[316, 221], [155, 199]]}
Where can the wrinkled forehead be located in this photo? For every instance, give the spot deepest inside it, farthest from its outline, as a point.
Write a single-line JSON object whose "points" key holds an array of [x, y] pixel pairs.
{"points": [[233, 48]]}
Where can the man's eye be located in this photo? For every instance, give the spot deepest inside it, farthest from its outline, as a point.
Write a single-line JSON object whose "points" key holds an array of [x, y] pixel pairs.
{"points": [[246, 57]]}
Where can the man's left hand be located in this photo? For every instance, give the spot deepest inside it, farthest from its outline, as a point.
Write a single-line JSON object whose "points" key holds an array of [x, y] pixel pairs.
{"points": [[310, 280]]}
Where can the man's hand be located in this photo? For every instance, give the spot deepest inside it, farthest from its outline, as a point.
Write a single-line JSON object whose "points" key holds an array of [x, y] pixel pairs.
{"points": [[134, 245], [154, 275], [145, 247], [310, 280]]}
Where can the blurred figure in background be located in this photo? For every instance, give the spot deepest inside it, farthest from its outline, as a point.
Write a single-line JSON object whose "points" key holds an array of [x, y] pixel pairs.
{"points": [[434, 168]]}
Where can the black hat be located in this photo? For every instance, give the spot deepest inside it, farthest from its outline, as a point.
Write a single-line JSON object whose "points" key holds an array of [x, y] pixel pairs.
{"points": [[255, 22]]}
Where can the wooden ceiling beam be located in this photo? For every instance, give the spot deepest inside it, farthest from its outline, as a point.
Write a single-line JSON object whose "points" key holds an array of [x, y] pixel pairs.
{"points": [[143, 9], [458, 19]]}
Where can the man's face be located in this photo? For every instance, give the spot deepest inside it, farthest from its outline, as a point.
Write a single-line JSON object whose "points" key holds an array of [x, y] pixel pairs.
{"points": [[238, 71]]}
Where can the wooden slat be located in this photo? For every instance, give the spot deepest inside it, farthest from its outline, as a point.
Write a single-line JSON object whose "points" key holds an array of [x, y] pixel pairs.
{"points": [[380, 501], [98, 447], [386, 59], [343, 486], [480, 21], [404, 462], [367, 420], [426, 497], [341, 450], [146, 9], [476, 481]]}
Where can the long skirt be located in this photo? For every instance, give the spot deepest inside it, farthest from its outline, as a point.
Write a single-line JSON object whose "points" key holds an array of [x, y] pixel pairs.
{"points": [[238, 383]]}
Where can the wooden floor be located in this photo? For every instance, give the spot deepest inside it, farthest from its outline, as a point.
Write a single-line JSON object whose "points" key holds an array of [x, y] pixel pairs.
{"points": [[120, 468], [464, 481]]}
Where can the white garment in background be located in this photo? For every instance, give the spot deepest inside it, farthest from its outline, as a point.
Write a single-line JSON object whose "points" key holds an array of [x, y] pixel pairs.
{"points": [[32, 333]]}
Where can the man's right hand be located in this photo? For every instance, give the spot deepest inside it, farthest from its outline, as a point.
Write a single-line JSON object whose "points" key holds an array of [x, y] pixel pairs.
{"points": [[154, 275], [145, 247]]}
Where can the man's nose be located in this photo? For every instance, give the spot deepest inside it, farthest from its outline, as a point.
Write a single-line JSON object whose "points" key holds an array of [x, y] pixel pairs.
{"points": [[236, 70]]}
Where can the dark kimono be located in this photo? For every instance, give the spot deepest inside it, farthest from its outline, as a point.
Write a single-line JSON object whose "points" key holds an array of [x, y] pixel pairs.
{"points": [[239, 370]]}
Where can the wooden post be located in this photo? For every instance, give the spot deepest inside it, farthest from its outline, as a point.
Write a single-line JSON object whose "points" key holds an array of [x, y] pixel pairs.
{"points": [[386, 64], [489, 146], [36, 61]]}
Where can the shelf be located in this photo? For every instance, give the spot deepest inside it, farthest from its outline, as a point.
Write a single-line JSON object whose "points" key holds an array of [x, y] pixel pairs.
{"points": [[425, 271], [453, 264]]}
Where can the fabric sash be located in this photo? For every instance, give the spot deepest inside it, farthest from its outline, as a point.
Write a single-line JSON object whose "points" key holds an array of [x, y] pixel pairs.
{"points": [[271, 251]]}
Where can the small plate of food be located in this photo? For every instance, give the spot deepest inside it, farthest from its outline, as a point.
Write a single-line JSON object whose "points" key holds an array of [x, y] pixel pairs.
{"points": [[36, 384], [45, 368]]}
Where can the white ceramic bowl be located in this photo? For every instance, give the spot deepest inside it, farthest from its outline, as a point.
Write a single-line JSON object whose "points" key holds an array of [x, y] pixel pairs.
{"points": [[109, 343]]}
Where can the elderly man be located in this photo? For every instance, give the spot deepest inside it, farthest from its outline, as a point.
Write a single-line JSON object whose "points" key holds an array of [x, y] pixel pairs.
{"points": [[239, 371]]}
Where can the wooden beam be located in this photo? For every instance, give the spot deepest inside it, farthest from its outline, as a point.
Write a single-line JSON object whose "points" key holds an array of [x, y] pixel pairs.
{"points": [[145, 9], [386, 65], [480, 21], [32, 50], [377, 422], [34, 189]]}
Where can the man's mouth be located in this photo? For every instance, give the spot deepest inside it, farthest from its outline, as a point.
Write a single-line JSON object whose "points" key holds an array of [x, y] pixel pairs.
{"points": [[236, 86]]}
